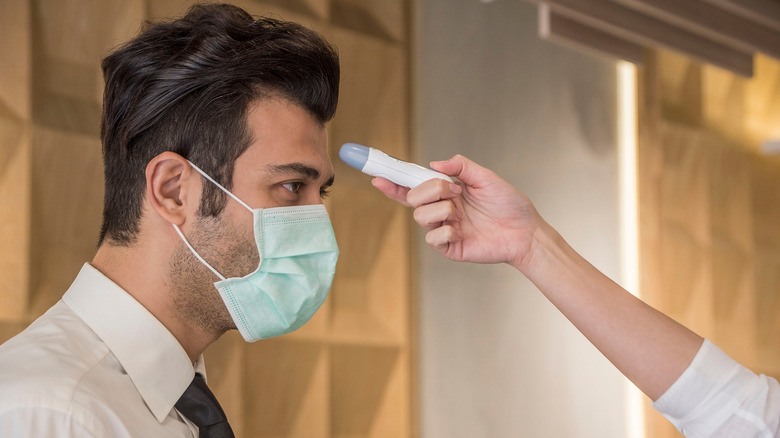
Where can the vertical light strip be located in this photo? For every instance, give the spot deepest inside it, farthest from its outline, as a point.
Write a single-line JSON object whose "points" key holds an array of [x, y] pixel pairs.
{"points": [[629, 218], [627, 146]]}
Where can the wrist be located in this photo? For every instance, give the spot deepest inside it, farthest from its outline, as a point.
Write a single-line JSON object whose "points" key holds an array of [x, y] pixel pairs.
{"points": [[543, 242]]}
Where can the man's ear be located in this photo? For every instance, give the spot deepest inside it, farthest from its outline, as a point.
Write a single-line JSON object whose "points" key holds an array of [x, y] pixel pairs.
{"points": [[172, 187]]}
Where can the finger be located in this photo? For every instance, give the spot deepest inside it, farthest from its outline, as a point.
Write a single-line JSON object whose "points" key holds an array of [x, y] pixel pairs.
{"points": [[393, 191], [464, 169], [436, 213], [442, 236], [431, 191]]}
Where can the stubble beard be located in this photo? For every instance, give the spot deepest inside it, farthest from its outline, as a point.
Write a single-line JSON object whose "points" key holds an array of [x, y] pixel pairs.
{"points": [[195, 298]]}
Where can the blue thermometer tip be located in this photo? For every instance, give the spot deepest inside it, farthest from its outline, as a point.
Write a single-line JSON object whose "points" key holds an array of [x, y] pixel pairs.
{"points": [[354, 154]]}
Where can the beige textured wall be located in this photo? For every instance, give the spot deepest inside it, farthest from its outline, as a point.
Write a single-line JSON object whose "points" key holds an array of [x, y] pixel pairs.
{"points": [[348, 373], [496, 358], [710, 206]]}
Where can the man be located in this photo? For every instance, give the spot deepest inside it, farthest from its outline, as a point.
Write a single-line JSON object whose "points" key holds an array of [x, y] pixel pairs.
{"points": [[695, 385], [216, 162]]}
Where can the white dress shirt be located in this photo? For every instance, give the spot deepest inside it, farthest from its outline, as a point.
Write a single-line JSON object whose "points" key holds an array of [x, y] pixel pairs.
{"points": [[718, 398], [97, 364]]}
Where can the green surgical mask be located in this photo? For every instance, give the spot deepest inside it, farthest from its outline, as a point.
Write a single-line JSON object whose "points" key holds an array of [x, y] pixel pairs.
{"points": [[298, 253]]}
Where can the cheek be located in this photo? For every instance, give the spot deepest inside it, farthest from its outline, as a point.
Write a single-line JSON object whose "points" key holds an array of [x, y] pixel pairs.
{"points": [[244, 246], [268, 196], [241, 258], [237, 223], [233, 242]]}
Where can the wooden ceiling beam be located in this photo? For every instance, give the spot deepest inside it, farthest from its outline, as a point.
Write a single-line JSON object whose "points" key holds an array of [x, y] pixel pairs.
{"points": [[766, 12], [566, 31], [635, 26], [714, 22]]}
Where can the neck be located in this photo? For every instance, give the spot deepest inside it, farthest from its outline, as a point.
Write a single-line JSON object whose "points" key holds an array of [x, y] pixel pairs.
{"points": [[144, 276]]}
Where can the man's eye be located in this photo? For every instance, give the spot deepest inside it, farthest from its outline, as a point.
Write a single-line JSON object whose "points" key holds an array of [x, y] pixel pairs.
{"points": [[293, 187]]}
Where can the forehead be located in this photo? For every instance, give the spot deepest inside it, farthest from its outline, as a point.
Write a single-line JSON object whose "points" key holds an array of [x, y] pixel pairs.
{"points": [[282, 132]]}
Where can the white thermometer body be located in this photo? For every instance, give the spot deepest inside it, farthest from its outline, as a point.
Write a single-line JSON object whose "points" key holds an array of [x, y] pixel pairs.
{"points": [[377, 163]]}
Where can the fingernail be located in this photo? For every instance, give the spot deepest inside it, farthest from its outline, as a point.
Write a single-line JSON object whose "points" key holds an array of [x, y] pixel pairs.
{"points": [[454, 188]]}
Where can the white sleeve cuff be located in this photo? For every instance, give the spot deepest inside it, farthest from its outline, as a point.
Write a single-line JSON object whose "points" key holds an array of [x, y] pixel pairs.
{"points": [[707, 393]]}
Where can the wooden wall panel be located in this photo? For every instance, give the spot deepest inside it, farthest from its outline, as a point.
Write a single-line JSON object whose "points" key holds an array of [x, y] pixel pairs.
{"points": [[732, 249], [15, 151], [766, 205], [16, 58], [69, 38], [686, 266], [15, 217], [348, 372], [710, 208], [67, 203], [744, 112]]}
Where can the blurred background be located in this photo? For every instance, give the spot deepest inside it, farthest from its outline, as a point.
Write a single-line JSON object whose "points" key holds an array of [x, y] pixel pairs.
{"points": [[646, 131]]}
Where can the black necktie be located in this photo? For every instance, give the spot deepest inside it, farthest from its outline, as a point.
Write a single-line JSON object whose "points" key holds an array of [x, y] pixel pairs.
{"points": [[200, 406]]}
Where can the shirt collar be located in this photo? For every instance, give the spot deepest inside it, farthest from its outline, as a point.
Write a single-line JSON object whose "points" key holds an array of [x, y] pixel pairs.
{"points": [[152, 357]]}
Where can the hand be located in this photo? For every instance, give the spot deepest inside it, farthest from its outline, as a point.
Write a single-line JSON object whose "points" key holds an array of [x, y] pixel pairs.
{"points": [[481, 219], [484, 219]]}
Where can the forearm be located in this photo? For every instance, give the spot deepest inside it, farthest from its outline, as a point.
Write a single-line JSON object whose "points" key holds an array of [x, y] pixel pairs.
{"points": [[648, 347]]}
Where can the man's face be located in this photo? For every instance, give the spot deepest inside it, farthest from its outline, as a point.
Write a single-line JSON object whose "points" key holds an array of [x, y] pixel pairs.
{"points": [[286, 164]]}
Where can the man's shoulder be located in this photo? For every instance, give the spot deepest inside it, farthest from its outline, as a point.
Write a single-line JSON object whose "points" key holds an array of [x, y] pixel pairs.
{"points": [[58, 375], [51, 356]]}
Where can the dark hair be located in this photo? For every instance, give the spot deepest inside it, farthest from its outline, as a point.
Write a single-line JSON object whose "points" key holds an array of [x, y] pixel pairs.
{"points": [[186, 85]]}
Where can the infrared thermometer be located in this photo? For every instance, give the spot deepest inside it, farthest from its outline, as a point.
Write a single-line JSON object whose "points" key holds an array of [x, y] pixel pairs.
{"points": [[377, 163]]}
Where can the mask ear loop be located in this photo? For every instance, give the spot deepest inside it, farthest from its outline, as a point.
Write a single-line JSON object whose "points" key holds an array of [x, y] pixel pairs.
{"points": [[186, 242], [204, 175], [221, 277]]}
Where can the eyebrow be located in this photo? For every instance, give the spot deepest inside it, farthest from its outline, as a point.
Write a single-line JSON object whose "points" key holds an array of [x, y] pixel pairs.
{"points": [[299, 168]]}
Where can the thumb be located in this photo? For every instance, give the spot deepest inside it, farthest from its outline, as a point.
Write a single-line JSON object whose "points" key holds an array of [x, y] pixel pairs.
{"points": [[464, 169]]}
